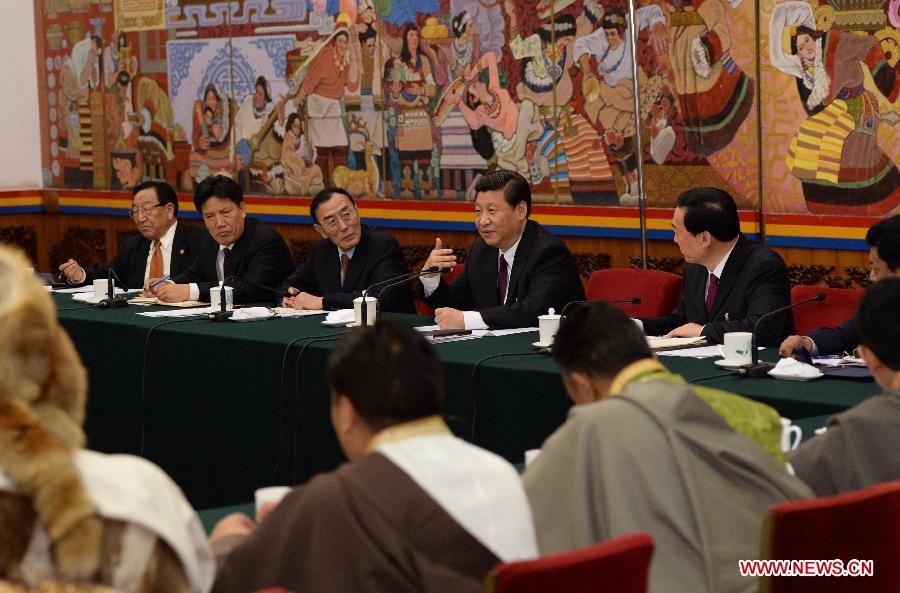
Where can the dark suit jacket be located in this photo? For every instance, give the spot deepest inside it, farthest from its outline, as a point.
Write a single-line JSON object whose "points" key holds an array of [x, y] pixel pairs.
{"points": [[543, 276], [259, 255], [753, 283], [836, 340], [377, 257], [130, 263]]}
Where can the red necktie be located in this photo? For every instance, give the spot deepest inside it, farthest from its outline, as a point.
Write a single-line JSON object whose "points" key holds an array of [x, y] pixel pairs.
{"points": [[502, 280], [345, 267], [711, 293]]}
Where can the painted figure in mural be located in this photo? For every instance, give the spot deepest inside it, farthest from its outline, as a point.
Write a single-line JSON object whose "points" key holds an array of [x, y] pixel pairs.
{"points": [[369, 105], [847, 89], [714, 94], [609, 92], [209, 135], [117, 57], [412, 86], [511, 126], [460, 160], [80, 74], [334, 70], [569, 155], [302, 176], [259, 127]]}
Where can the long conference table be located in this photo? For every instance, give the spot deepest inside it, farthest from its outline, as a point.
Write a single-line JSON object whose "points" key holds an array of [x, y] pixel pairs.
{"points": [[225, 408]]}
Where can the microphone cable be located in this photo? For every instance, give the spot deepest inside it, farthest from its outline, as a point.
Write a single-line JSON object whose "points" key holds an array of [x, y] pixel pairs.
{"points": [[476, 390], [144, 373], [716, 376]]}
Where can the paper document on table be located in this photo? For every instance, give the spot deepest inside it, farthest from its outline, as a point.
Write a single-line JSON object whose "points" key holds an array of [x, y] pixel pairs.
{"points": [[701, 352], [291, 312], [156, 301], [838, 361], [665, 342], [503, 332], [75, 289], [178, 312]]}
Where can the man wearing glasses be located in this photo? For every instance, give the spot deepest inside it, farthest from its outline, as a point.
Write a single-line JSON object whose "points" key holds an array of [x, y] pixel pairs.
{"points": [[163, 246], [348, 259]]}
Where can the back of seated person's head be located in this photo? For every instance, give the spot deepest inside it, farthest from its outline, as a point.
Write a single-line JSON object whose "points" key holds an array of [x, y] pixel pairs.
{"points": [[878, 321], [594, 343], [710, 209], [389, 373]]}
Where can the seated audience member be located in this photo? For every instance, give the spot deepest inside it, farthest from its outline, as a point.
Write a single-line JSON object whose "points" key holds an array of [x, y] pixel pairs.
{"points": [[415, 510], [163, 247], [729, 282], [860, 447], [70, 515], [348, 259], [245, 248], [515, 270], [694, 467], [884, 262]]}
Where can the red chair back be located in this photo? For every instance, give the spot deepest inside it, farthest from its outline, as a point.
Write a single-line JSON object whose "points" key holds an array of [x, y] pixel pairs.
{"points": [[621, 565], [659, 291], [859, 525], [449, 277], [839, 306]]}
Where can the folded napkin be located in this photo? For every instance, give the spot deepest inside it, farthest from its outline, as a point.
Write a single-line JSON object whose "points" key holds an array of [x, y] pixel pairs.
{"points": [[789, 368], [341, 316], [248, 313]]}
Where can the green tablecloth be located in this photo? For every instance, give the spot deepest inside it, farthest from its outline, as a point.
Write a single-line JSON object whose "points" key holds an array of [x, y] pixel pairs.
{"points": [[225, 408]]}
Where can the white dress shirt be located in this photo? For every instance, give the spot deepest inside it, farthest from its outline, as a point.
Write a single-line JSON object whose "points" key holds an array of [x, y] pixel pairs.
{"points": [[220, 272]]}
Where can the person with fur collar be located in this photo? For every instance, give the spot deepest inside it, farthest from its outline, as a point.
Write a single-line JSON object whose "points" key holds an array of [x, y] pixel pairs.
{"points": [[67, 514]]}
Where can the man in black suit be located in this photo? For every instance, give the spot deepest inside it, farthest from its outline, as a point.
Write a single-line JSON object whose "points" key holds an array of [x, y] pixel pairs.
{"points": [[163, 247], [348, 259], [244, 248], [884, 262], [515, 270], [729, 282]]}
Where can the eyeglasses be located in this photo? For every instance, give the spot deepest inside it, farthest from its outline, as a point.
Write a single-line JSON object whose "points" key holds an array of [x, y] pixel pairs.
{"points": [[348, 215], [144, 209]]}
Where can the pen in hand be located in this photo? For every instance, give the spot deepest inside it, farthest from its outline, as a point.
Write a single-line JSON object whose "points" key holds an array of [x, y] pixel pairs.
{"points": [[156, 283]]}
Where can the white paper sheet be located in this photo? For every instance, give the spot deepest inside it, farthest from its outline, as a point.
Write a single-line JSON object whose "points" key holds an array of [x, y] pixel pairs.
{"points": [[179, 312]]}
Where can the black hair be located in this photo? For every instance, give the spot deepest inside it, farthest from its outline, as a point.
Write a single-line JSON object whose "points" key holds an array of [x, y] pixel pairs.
{"points": [[164, 192], [123, 78], [515, 187], [457, 25], [875, 231], [211, 110], [483, 142], [565, 27], [290, 121], [804, 30], [710, 209], [389, 372], [888, 247], [211, 88], [879, 323], [325, 195], [405, 56], [217, 186], [369, 33], [261, 81], [598, 339], [614, 19]]}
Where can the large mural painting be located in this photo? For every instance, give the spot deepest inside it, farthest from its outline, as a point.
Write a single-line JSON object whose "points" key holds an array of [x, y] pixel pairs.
{"points": [[412, 99]]}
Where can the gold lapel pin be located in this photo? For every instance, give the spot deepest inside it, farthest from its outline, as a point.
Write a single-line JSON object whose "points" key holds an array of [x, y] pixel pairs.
{"points": [[181, 252], [727, 317]]}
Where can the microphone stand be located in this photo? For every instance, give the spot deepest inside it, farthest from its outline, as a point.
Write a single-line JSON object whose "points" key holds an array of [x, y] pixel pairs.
{"points": [[631, 301], [390, 283], [760, 369], [112, 300]]}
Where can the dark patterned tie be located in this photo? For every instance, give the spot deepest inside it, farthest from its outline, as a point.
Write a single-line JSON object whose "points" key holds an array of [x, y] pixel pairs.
{"points": [[502, 279], [345, 265], [225, 253], [711, 293]]}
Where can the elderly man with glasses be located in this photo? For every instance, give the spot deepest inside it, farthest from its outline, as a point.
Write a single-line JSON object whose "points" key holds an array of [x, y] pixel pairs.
{"points": [[163, 247], [348, 259]]}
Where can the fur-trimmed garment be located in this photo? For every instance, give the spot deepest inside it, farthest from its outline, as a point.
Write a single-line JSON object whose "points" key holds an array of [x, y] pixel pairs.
{"points": [[49, 513]]}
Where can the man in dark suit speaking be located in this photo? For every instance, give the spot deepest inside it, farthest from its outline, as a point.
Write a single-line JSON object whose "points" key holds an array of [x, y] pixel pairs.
{"points": [[515, 270], [246, 248], [163, 247], [729, 282], [348, 259]]}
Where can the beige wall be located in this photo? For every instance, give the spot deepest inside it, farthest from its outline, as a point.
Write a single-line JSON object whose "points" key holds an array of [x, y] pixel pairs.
{"points": [[20, 146]]}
